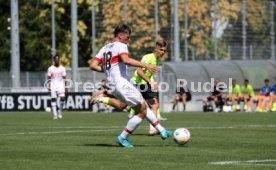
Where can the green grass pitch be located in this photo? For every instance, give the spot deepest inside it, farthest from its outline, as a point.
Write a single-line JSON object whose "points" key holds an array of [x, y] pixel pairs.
{"points": [[82, 140]]}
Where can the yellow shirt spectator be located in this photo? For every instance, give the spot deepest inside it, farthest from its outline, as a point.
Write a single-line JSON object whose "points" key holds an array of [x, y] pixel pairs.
{"points": [[248, 90], [235, 90]]}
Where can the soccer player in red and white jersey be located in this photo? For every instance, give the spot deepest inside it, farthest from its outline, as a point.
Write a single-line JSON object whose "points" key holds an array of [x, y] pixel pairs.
{"points": [[56, 81], [113, 59]]}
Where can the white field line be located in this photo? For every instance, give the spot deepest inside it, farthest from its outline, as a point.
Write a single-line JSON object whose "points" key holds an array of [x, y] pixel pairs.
{"points": [[114, 128], [198, 127], [74, 127], [270, 165], [56, 132], [235, 127], [249, 162]]}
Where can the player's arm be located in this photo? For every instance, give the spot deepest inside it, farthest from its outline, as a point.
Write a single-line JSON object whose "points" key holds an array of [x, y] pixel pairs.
{"points": [[217, 95], [141, 73], [49, 83], [64, 80], [49, 80], [65, 83], [239, 92], [96, 65], [261, 92], [152, 83], [132, 62]]}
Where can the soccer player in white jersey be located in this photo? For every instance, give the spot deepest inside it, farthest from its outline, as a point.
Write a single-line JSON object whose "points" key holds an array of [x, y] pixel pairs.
{"points": [[112, 60], [56, 81]]}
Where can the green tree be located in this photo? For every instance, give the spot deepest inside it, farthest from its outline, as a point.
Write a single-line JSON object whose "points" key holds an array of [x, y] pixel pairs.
{"points": [[35, 27], [4, 36]]}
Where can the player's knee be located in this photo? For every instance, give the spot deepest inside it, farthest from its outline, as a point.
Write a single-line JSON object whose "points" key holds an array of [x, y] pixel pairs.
{"points": [[53, 103], [141, 110]]}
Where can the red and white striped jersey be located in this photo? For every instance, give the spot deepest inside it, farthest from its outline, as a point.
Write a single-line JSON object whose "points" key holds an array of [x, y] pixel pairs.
{"points": [[109, 56]]}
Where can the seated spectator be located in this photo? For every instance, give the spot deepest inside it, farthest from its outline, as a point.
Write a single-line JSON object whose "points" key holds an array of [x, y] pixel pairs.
{"points": [[215, 98], [233, 96], [104, 87], [247, 92], [182, 95], [105, 91], [262, 97], [272, 103]]}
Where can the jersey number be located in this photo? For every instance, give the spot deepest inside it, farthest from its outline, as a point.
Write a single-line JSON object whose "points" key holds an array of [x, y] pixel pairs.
{"points": [[107, 60]]}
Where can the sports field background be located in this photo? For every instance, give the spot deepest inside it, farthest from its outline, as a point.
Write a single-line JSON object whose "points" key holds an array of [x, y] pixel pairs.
{"points": [[82, 140]]}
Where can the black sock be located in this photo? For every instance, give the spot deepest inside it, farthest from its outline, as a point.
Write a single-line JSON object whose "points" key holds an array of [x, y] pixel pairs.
{"points": [[173, 107]]}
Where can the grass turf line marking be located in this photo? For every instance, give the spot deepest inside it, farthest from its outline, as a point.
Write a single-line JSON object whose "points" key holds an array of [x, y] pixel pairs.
{"points": [[71, 131], [199, 127], [115, 128], [234, 127], [249, 162]]}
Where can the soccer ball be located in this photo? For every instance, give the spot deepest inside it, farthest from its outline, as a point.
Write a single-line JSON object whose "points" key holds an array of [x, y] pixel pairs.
{"points": [[181, 136], [47, 109]]}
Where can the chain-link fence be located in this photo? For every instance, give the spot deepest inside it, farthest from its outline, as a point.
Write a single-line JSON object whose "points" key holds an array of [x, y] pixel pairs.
{"points": [[201, 30]]}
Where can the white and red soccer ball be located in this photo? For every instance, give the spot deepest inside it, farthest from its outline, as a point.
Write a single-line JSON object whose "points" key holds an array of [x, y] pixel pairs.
{"points": [[181, 136]]}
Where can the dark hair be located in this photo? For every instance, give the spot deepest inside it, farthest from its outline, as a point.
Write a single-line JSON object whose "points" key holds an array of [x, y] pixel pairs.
{"points": [[246, 80], [122, 28], [266, 80], [161, 42], [56, 56]]}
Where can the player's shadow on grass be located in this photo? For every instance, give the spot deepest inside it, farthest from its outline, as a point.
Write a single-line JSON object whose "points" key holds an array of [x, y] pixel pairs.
{"points": [[140, 134], [102, 145], [107, 145]]}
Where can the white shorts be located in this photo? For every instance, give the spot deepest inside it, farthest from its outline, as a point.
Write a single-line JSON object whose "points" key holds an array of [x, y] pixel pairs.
{"points": [[57, 91], [126, 92]]}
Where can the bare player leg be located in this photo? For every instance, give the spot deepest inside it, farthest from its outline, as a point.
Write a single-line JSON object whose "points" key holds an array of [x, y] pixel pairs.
{"points": [[175, 99], [61, 106], [54, 107], [184, 97], [141, 111], [154, 105]]}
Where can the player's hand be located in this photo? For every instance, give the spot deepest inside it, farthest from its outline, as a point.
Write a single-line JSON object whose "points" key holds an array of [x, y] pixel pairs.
{"points": [[152, 68]]}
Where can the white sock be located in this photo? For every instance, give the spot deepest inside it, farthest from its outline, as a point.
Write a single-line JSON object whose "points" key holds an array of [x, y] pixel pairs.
{"points": [[153, 120], [54, 108], [132, 124]]}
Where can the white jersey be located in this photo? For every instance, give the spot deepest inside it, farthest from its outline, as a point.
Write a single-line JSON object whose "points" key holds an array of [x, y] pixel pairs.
{"points": [[57, 75], [116, 73], [109, 56]]}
